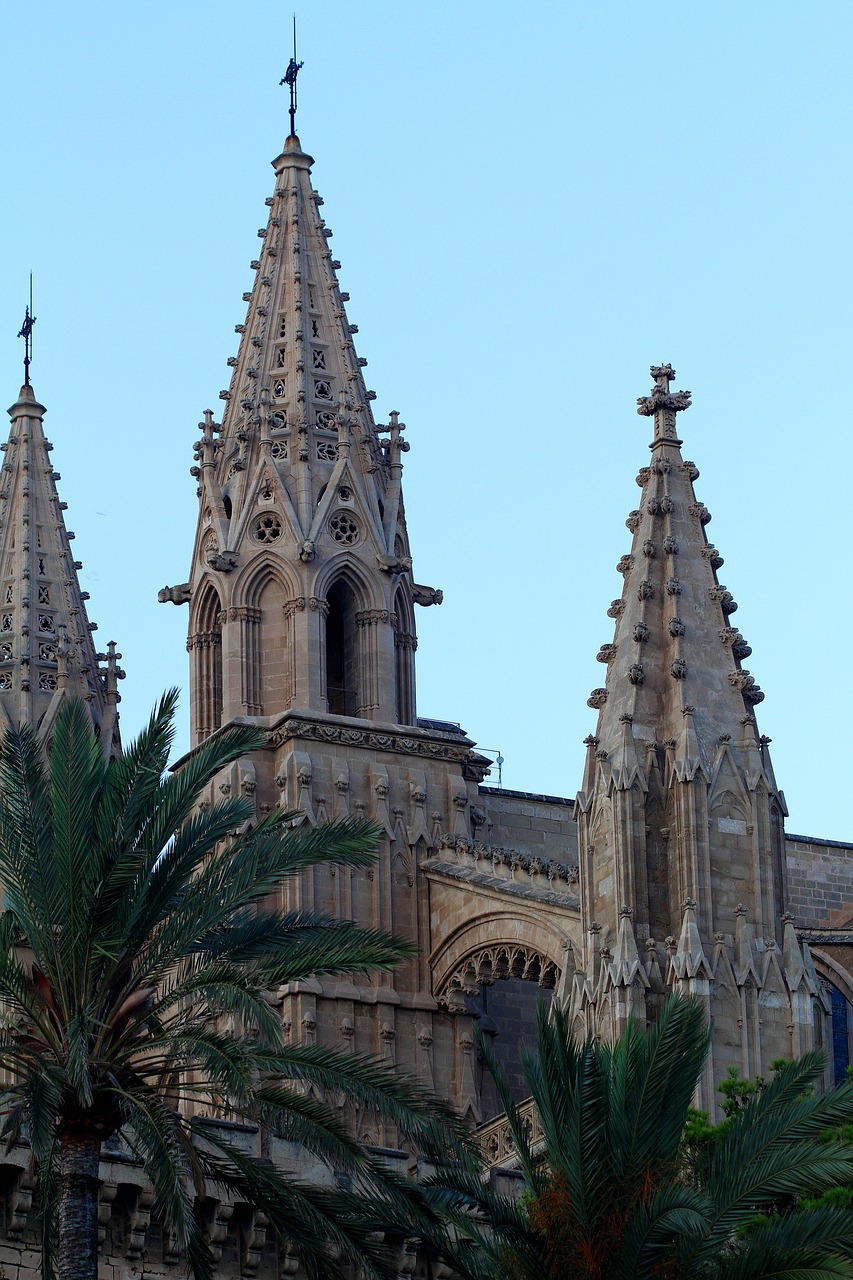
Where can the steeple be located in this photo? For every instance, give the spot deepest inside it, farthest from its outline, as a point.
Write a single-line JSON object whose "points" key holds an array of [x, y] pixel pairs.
{"points": [[301, 591], [681, 823], [46, 646]]}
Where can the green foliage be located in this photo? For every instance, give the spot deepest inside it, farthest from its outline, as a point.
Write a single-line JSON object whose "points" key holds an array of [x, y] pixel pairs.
{"points": [[630, 1182], [139, 938]]}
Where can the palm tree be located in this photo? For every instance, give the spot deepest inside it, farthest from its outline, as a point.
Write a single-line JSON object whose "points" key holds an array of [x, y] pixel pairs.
{"points": [[608, 1192], [134, 926]]}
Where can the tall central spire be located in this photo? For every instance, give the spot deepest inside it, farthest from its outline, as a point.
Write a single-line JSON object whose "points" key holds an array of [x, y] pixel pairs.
{"points": [[301, 590]]}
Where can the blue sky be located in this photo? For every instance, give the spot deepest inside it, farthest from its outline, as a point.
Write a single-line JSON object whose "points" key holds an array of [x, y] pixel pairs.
{"points": [[531, 204]]}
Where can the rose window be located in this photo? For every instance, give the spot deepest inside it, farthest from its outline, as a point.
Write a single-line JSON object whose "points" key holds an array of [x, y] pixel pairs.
{"points": [[267, 528], [343, 528]]}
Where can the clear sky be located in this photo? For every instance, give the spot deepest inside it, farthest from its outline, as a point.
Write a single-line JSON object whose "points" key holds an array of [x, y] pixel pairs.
{"points": [[532, 203]]}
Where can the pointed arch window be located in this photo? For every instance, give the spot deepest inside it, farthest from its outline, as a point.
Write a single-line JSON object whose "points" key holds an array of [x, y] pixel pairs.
{"points": [[205, 645], [342, 666]]}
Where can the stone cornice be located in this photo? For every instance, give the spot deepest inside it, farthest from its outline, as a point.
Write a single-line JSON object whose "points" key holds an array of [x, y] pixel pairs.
{"points": [[375, 736], [491, 885]]}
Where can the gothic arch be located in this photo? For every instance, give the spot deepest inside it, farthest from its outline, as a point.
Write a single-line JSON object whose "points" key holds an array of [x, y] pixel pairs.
{"points": [[257, 573], [344, 567], [349, 639], [839, 1015], [498, 945], [264, 610], [828, 967], [205, 647]]}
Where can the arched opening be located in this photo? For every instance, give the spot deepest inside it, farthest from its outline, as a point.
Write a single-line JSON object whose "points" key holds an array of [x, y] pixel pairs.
{"points": [[341, 652], [273, 656], [841, 1018], [226, 502], [501, 986], [506, 1012], [205, 645]]}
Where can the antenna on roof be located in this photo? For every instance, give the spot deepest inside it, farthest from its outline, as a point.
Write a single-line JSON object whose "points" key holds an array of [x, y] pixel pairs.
{"points": [[289, 78], [26, 332]]}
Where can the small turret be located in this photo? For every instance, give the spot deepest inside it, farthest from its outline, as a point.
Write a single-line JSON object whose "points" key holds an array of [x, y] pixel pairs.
{"points": [[46, 645]]}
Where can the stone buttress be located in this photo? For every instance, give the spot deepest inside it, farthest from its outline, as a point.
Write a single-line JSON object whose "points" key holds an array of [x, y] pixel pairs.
{"points": [[46, 646], [680, 820]]}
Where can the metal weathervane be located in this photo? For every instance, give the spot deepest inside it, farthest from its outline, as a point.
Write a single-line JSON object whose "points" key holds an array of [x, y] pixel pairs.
{"points": [[26, 332], [289, 78]]}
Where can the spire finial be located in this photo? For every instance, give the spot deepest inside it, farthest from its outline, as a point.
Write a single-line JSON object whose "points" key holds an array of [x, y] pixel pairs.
{"points": [[26, 332], [289, 78], [663, 404]]}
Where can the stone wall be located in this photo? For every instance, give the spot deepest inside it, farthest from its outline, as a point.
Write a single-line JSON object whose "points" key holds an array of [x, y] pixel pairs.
{"points": [[820, 881], [541, 826]]}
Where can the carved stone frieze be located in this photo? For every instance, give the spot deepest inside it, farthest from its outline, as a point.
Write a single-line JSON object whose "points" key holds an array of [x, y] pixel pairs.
{"points": [[491, 964], [370, 738]]}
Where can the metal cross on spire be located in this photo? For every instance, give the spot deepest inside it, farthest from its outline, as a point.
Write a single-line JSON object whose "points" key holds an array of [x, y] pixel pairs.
{"points": [[26, 332], [289, 78]]}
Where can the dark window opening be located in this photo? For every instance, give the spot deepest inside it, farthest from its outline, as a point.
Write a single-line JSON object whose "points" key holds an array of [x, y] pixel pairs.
{"points": [[840, 1036], [506, 1012], [341, 656], [226, 502]]}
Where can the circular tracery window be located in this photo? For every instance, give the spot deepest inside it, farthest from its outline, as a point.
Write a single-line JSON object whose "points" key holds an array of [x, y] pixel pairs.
{"points": [[343, 528], [267, 528]]}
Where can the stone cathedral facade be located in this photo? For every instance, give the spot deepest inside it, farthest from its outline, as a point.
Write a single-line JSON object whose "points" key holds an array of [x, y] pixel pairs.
{"points": [[671, 869]]}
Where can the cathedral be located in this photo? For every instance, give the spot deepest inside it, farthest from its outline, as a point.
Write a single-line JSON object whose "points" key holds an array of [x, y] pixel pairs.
{"points": [[669, 869]]}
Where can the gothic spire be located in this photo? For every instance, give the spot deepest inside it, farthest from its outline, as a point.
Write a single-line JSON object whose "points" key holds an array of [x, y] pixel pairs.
{"points": [[680, 820], [301, 547], [297, 407], [46, 646], [675, 664]]}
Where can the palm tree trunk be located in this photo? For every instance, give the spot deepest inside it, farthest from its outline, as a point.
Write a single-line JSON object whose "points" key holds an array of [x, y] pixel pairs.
{"points": [[78, 1205]]}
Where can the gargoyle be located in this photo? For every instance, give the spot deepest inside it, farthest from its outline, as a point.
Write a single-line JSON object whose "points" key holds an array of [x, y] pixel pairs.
{"points": [[426, 595], [175, 595]]}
